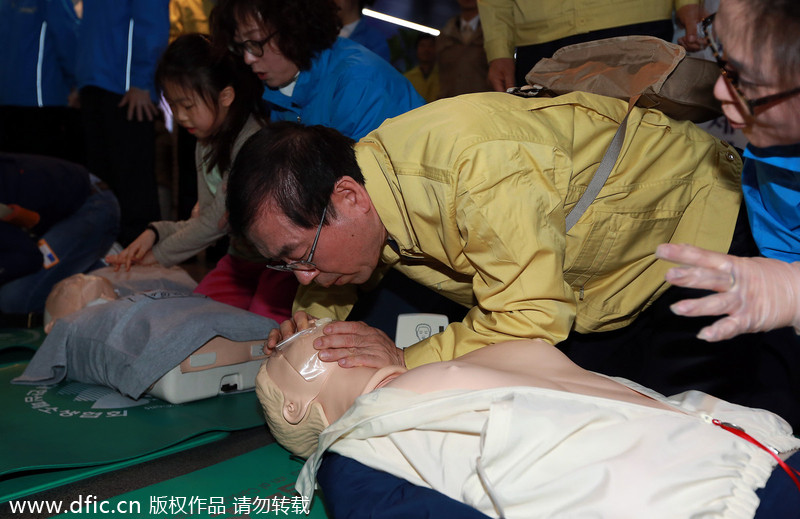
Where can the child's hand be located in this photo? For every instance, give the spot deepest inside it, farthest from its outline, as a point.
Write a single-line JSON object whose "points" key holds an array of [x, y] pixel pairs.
{"points": [[139, 252]]}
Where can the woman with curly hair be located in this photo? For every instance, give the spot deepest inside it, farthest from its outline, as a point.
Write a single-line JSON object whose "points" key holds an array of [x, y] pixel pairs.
{"points": [[312, 76]]}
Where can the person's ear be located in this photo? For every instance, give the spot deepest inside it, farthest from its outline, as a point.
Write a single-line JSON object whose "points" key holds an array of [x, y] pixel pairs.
{"points": [[350, 194], [294, 409], [227, 96]]}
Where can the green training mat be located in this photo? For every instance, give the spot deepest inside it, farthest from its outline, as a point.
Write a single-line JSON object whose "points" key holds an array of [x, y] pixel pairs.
{"points": [[257, 484], [73, 424], [21, 484], [19, 344]]}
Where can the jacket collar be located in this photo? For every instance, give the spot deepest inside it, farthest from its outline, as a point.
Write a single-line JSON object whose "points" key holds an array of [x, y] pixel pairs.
{"points": [[386, 195], [307, 83]]}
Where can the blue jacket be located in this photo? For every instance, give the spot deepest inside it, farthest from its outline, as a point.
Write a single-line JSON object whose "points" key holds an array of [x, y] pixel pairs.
{"points": [[53, 188], [771, 185], [121, 42], [37, 63], [347, 88], [372, 38]]}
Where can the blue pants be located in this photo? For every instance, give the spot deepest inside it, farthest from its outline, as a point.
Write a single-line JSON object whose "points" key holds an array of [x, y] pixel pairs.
{"points": [[78, 241], [780, 497], [353, 490]]}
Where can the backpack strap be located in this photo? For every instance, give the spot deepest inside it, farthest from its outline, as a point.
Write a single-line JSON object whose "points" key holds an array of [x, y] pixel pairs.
{"points": [[603, 170]]}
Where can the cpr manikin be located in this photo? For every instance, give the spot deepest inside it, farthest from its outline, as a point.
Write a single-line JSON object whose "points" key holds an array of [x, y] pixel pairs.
{"points": [[302, 395], [513, 429], [73, 293], [102, 332]]}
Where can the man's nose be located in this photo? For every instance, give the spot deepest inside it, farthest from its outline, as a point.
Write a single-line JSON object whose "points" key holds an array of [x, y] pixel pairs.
{"points": [[305, 277]]}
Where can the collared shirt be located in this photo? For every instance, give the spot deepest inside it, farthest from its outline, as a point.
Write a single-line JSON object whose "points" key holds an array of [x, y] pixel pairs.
{"points": [[771, 185], [471, 25], [348, 29]]}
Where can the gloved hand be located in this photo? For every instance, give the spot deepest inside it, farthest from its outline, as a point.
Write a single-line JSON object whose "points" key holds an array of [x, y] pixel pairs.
{"points": [[756, 294]]}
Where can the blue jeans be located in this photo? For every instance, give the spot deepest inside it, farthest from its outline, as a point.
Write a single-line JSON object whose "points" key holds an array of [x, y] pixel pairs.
{"points": [[351, 489], [78, 241], [780, 497]]}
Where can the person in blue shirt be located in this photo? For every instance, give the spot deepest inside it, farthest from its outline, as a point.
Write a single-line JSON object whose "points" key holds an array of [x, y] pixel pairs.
{"points": [[315, 77], [756, 46], [37, 76], [118, 49], [356, 28], [312, 76], [62, 221]]}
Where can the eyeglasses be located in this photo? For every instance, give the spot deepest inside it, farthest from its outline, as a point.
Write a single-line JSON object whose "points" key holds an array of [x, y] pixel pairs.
{"points": [[302, 265], [731, 76], [254, 47]]}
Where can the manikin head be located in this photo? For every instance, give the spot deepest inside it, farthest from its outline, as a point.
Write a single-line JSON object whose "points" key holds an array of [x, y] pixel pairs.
{"points": [[74, 293], [301, 395]]}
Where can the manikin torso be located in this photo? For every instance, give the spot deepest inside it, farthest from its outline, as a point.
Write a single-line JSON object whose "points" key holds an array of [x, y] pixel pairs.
{"points": [[515, 363]]}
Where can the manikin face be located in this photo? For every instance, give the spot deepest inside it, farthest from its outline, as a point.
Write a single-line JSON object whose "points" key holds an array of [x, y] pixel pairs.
{"points": [[74, 293], [304, 382], [773, 124], [347, 251], [301, 395], [273, 68], [297, 370], [193, 113]]}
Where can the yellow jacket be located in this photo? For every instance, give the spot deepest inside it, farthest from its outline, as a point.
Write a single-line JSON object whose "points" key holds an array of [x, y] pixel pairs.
{"points": [[186, 16], [508, 24], [474, 190]]}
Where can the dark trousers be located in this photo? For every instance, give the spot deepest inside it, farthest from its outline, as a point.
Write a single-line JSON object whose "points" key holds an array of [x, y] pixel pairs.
{"points": [[529, 55], [122, 153], [660, 350]]}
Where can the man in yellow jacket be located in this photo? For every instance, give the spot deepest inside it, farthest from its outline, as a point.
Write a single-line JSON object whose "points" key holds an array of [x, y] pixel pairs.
{"points": [[468, 196], [534, 29]]}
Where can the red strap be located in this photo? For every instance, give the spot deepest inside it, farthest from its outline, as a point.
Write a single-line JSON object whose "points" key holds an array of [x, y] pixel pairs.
{"points": [[793, 473]]}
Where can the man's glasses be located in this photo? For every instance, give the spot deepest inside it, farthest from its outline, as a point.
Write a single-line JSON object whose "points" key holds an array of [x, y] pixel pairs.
{"points": [[302, 265], [254, 47], [731, 75]]}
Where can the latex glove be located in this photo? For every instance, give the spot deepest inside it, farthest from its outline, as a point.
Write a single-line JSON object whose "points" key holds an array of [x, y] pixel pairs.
{"points": [[501, 74], [756, 294], [139, 104], [139, 252]]}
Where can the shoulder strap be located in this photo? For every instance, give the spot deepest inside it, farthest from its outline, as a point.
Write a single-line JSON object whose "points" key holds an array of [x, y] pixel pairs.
{"points": [[602, 172]]}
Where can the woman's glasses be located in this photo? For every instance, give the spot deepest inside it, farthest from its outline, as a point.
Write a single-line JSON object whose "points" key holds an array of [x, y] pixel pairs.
{"points": [[731, 75]]}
